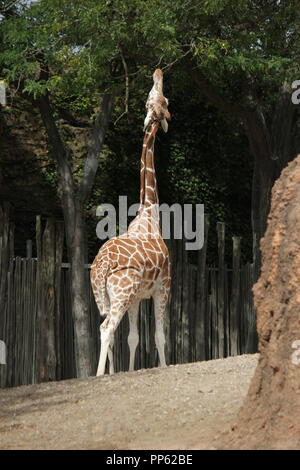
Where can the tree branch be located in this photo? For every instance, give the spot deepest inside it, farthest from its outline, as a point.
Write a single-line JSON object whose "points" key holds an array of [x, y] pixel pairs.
{"points": [[67, 116], [57, 146], [95, 146], [282, 127], [211, 93], [126, 88]]}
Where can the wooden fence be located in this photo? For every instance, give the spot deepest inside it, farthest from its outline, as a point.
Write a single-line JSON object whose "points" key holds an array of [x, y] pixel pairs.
{"points": [[210, 312]]}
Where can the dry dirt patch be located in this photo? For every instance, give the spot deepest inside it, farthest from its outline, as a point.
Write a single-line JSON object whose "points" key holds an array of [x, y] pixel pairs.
{"points": [[180, 407]]}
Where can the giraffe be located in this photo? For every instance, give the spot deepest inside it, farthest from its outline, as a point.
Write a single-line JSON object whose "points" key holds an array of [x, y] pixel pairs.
{"points": [[136, 265]]}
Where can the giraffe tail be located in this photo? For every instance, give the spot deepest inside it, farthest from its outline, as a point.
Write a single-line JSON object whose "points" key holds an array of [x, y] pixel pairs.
{"points": [[103, 290], [100, 293]]}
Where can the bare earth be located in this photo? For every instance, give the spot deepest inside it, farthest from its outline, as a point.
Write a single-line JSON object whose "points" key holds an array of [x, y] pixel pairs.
{"points": [[180, 407]]}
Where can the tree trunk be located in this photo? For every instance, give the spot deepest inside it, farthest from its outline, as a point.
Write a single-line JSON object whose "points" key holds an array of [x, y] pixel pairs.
{"points": [[77, 253], [73, 198], [269, 418], [272, 144], [262, 179]]}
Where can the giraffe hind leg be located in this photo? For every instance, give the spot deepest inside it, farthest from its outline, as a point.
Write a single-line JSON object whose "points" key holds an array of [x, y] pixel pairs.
{"points": [[122, 299], [133, 336], [160, 301], [106, 332], [111, 359]]}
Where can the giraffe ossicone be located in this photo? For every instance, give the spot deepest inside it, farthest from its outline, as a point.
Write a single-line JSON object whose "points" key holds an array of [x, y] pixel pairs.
{"points": [[136, 264]]}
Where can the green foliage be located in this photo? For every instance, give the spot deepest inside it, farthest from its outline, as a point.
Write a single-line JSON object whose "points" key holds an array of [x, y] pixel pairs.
{"points": [[83, 44], [34, 88], [77, 50]]}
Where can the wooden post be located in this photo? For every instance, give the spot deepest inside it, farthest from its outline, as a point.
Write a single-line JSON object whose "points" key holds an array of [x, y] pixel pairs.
{"points": [[235, 297], [59, 243], [46, 350], [226, 312], [251, 337], [185, 313], [32, 308], [49, 299], [12, 239], [6, 233], [201, 298], [256, 256], [168, 312], [177, 304], [28, 249], [173, 300], [221, 288], [213, 300], [38, 237], [10, 330], [5, 249], [67, 329], [18, 326]]}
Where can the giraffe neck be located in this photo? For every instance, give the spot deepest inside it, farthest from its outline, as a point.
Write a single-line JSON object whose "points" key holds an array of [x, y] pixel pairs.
{"points": [[149, 190]]}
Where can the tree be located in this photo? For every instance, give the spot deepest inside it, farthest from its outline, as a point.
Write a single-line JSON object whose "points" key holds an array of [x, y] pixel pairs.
{"points": [[31, 66], [73, 198]]}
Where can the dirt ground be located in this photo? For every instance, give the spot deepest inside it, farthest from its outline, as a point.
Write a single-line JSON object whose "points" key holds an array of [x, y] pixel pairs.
{"points": [[180, 407]]}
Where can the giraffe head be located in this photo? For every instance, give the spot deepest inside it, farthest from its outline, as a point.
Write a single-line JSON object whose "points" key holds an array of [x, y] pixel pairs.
{"points": [[157, 103]]}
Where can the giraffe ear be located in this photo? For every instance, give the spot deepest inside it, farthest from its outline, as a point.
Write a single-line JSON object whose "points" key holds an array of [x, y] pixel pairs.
{"points": [[164, 125]]}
